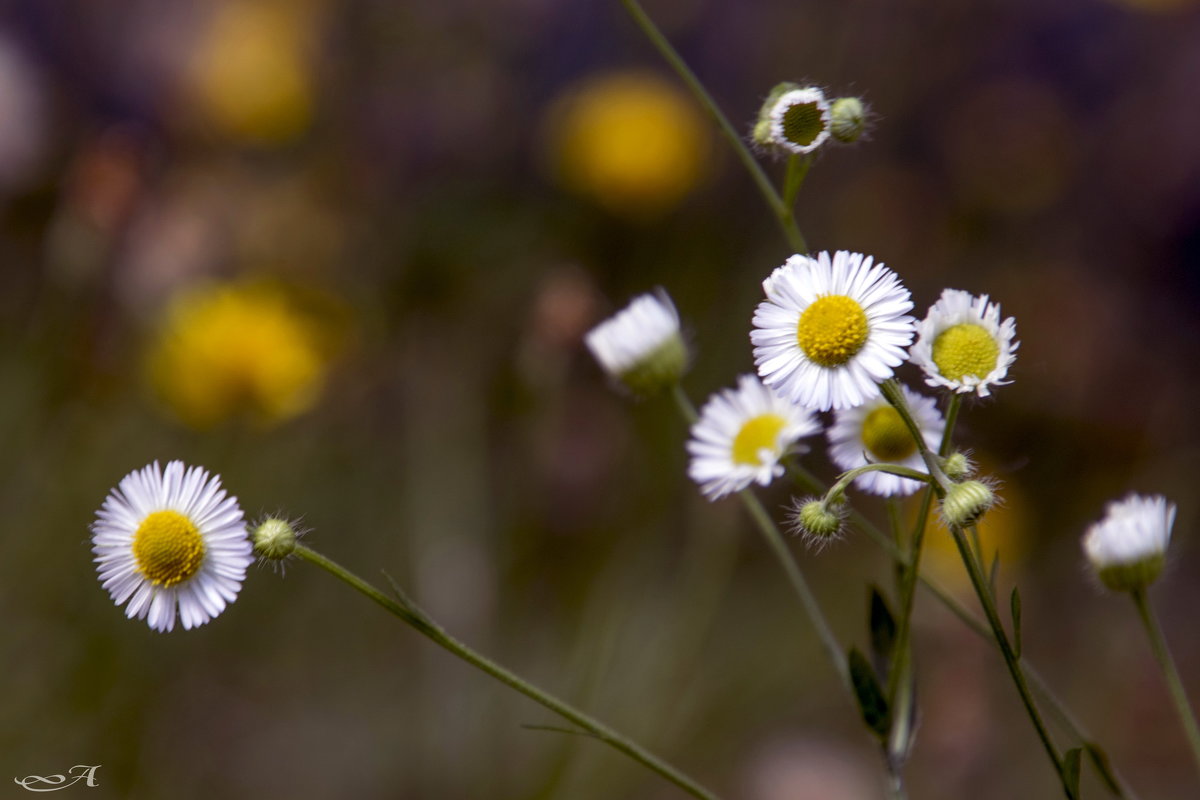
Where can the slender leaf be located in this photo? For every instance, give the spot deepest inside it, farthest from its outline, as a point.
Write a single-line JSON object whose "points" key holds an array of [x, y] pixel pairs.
{"points": [[1016, 622], [883, 633], [1100, 761], [994, 572], [1071, 771], [871, 701]]}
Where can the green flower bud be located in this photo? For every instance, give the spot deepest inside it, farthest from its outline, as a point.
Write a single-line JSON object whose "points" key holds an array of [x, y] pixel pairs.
{"points": [[274, 539], [849, 119], [817, 520], [957, 466], [966, 502]]}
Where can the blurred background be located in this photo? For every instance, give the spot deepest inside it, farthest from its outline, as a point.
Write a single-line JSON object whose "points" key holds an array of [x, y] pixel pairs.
{"points": [[343, 253]]}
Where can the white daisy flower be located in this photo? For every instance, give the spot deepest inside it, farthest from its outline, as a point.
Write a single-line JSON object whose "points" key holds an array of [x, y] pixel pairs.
{"points": [[1128, 547], [831, 328], [875, 433], [167, 540], [641, 345], [741, 435], [963, 346]]}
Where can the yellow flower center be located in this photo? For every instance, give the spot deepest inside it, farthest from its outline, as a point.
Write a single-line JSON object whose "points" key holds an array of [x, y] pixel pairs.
{"points": [[758, 434], [886, 436], [168, 547], [832, 330], [965, 349], [802, 123]]}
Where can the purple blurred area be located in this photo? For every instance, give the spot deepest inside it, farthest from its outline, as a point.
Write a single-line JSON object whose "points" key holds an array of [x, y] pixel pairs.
{"points": [[402, 170]]}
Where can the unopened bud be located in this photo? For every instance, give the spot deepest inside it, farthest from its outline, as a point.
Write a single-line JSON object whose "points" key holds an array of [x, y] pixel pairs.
{"points": [[966, 502], [274, 539], [848, 119]]}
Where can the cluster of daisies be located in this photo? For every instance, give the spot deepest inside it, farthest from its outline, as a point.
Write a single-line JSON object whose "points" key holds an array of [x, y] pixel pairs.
{"points": [[830, 330], [171, 545]]}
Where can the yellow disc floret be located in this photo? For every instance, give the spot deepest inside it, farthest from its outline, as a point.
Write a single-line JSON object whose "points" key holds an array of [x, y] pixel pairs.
{"points": [[168, 547], [832, 330], [886, 436], [758, 434], [965, 350]]}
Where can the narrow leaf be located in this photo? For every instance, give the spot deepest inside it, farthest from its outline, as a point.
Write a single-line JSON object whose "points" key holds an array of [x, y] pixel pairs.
{"points": [[883, 633], [1071, 771], [1100, 761], [994, 573], [871, 701], [1016, 621]]}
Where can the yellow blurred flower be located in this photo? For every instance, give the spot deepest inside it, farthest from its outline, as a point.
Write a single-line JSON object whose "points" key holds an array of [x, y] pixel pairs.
{"points": [[239, 349], [250, 73], [631, 141]]}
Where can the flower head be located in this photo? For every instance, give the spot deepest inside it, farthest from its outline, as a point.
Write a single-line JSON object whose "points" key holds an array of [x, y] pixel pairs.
{"points": [[242, 348], [817, 520], [631, 141], [1128, 547], [171, 540], [741, 435], [831, 328], [794, 119], [641, 345], [962, 344], [875, 433], [965, 503]]}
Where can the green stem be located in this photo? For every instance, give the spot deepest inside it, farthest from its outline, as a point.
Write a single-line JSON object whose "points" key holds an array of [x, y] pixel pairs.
{"points": [[810, 483], [1010, 658], [782, 212], [422, 623], [1158, 644], [775, 541], [797, 171]]}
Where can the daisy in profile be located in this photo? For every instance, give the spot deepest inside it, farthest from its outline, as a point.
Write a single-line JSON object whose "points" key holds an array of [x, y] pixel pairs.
{"points": [[171, 540], [963, 346], [1128, 547], [641, 346], [831, 328], [875, 433], [741, 436]]}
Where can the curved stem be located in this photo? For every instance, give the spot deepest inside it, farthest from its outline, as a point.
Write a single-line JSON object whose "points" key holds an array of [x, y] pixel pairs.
{"points": [[782, 212], [412, 615], [1158, 643], [1010, 658], [775, 541]]}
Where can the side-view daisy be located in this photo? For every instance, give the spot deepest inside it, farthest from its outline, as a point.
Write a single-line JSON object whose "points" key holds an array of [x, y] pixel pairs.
{"points": [[641, 345], [875, 433], [831, 328], [1128, 547], [168, 540], [962, 344], [741, 435]]}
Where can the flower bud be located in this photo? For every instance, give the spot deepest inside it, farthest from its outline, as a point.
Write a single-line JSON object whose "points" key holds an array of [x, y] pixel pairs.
{"points": [[957, 466], [966, 502], [642, 346], [848, 119], [274, 539], [1128, 547], [817, 520]]}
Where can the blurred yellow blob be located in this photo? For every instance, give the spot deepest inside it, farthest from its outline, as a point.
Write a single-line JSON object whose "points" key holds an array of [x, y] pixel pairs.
{"points": [[630, 141], [250, 74], [239, 349], [1003, 529]]}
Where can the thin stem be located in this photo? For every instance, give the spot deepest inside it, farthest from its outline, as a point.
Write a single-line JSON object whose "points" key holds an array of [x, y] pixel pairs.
{"points": [[417, 619], [783, 212], [775, 541], [810, 483], [797, 171], [1158, 644], [1010, 658]]}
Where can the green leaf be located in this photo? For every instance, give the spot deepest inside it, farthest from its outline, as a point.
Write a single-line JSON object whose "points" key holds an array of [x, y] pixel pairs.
{"points": [[1100, 761], [871, 702], [1071, 771], [1016, 621], [883, 633], [994, 572]]}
